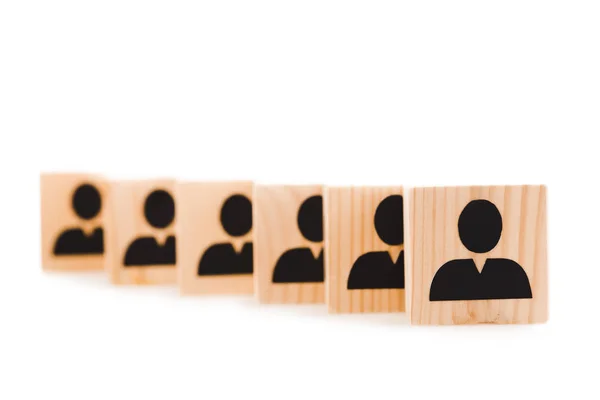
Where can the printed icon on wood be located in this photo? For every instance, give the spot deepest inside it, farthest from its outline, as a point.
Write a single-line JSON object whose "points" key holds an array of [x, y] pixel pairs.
{"points": [[159, 210], [215, 250], [477, 255], [365, 249], [288, 239], [222, 258], [141, 228], [376, 269], [72, 221], [479, 230]]}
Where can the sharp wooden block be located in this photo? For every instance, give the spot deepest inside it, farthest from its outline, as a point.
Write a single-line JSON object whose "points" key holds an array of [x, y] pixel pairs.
{"points": [[364, 254], [72, 213], [477, 255], [214, 248], [141, 232], [288, 244]]}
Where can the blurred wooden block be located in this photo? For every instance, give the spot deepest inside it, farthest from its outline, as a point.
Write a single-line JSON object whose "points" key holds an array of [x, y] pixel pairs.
{"points": [[364, 254], [288, 244], [141, 232], [72, 217], [214, 229], [477, 255]]}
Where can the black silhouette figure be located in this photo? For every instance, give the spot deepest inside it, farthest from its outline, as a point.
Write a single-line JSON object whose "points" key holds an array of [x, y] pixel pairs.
{"points": [[376, 269], [159, 210], [86, 204], [479, 228], [300, 265], [221, 258]]}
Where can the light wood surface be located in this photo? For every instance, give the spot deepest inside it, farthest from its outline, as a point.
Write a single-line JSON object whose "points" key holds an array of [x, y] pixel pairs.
{"points": [[350, 233], [58, 215], [198, 228], [275, 232], [126, 222], [431, 231]]}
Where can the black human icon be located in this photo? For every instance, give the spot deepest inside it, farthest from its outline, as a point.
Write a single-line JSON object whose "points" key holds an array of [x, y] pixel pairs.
{"points": [[159, 210], [222, 258], [86, 203], [376, 269], [300, 265], [479, 229]]}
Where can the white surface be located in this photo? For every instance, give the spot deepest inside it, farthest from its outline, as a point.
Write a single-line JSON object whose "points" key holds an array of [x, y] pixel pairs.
{"points": [[377, 92]]}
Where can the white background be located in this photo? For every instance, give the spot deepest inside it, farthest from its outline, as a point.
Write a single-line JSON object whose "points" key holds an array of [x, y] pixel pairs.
{"points": [[364, 92]]}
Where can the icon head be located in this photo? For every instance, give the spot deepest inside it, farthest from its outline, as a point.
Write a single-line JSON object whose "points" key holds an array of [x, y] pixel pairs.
{"points": [[480, 226], [310, 218], [86, 201], [236, 215], [389, 220], [159, 209]]}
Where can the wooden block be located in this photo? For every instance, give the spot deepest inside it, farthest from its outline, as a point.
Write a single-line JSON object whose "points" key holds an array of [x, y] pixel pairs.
{"points": [[215, 237], [364, 254], [141, 232], [72, 216], [288, 244], [477, 255]]}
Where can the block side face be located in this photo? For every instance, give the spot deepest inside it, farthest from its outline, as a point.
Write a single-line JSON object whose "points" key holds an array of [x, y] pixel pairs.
{"points": [[72, 212], [409, 249], [329, 197], [497, 274], [202, 236], [286, 262], [359, 262], [539, 278]]}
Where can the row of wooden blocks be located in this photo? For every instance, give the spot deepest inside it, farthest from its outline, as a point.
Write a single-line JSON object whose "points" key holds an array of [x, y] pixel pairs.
{"points": [[445, 255]]}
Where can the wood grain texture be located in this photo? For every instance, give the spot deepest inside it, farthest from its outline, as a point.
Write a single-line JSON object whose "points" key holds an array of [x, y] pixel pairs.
{"points": [[58, 215], [431, 231], [350, 233], [126, 222], [276, 231], [198, 228]]}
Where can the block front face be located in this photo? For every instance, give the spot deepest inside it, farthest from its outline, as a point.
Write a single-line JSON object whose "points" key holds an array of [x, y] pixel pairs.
{"points": [[288, 244], [477, 255], [72, 216], [214, 247], [364, 255], [141, 233]]}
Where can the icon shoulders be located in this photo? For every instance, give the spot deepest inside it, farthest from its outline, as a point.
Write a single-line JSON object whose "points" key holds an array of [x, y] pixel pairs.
{"points": [[454, 269], [506, 266]]}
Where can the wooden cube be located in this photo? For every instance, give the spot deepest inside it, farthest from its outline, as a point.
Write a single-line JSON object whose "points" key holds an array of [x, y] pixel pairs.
{"points": [[477, 255], [141, 232], [364, 254], [288, 244], [214, 247], [72, 216]]}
